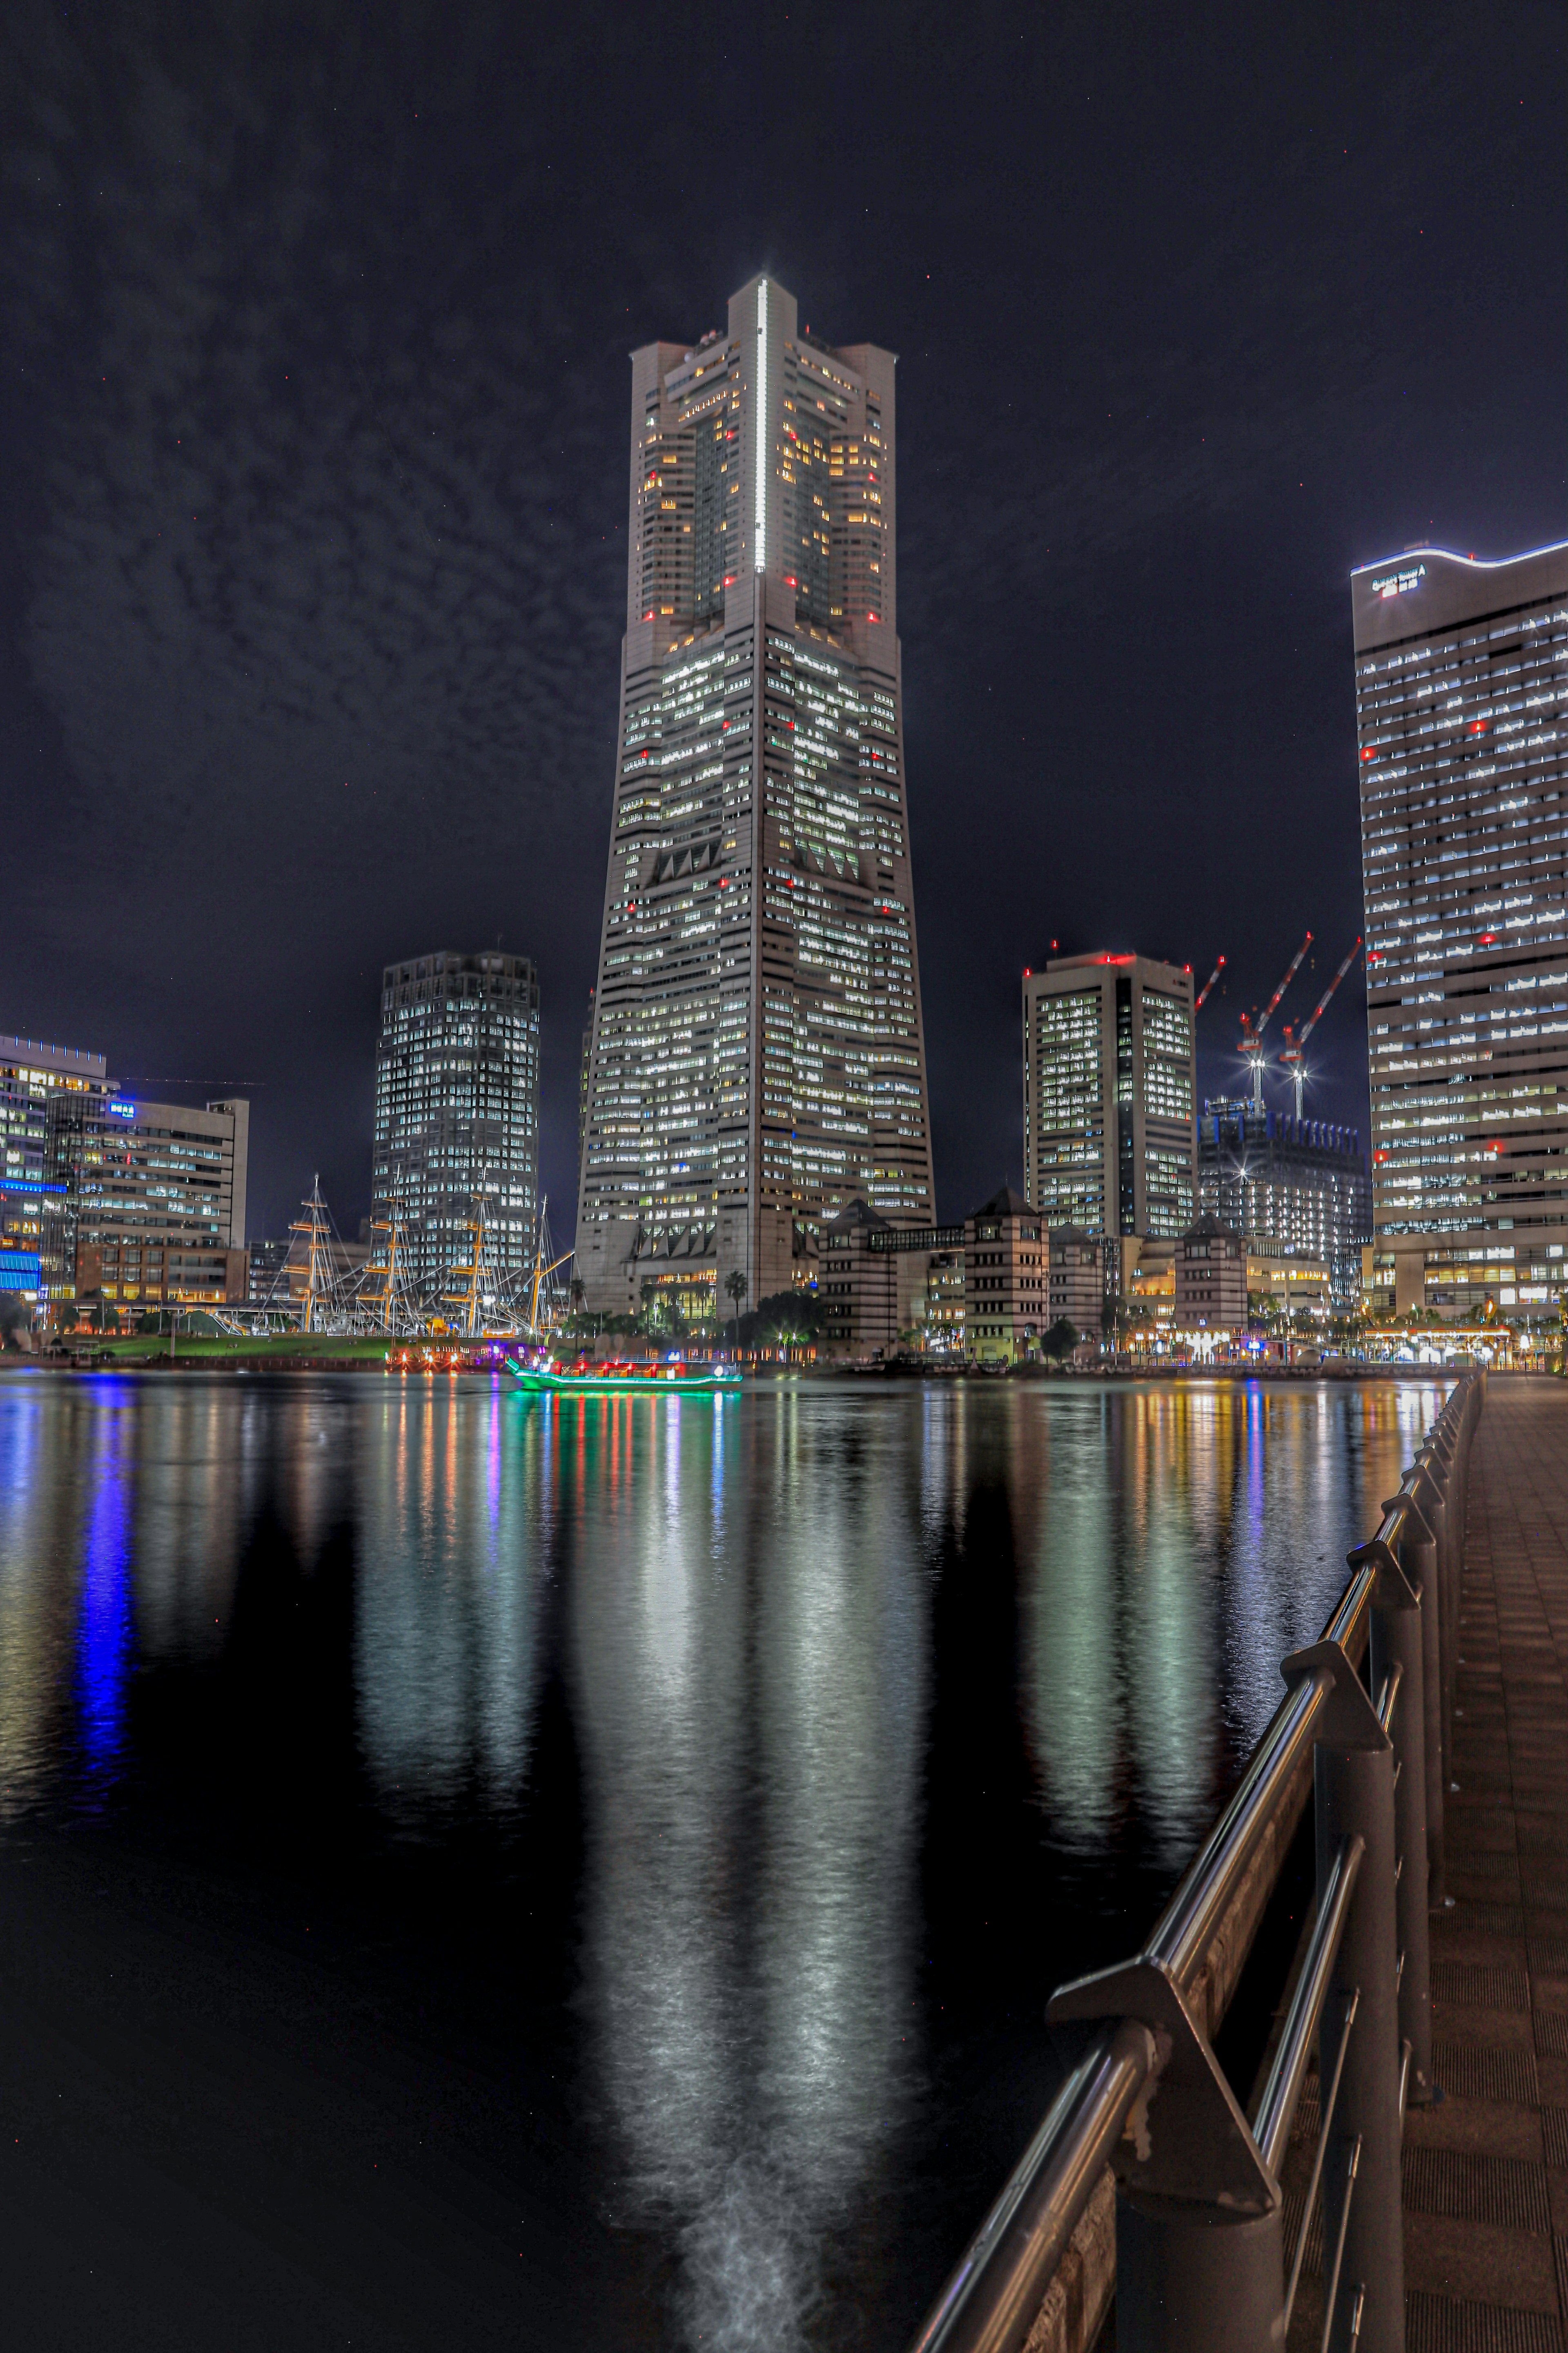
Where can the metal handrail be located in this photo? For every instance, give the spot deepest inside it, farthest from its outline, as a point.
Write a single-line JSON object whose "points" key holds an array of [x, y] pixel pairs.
{"points": [[1331, 2293], [1315, 2178], [1282, 2092], [1022, 2240], [1181, 1938], [989, 2302]]}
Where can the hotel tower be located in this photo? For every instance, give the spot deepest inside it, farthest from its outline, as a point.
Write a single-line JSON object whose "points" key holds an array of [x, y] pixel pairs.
{"points": [[1461, 687], [756, 1059]]}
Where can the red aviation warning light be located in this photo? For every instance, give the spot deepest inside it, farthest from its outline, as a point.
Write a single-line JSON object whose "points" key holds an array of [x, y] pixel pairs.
{"points": [[1203, 991]]}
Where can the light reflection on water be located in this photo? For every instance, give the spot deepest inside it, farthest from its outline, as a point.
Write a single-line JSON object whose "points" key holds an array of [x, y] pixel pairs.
{"points": [[737, 1600]]}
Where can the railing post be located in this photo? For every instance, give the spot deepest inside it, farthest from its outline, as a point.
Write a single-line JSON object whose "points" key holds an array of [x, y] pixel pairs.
{"points": [[1353, 1785], [1398, 1657], [1433, 1494], [1417, 1552], [1200, 2242]]}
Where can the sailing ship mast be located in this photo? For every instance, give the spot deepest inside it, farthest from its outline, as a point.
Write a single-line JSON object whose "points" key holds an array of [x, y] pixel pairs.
{"points": [[468, 1299], [321, 1272]]}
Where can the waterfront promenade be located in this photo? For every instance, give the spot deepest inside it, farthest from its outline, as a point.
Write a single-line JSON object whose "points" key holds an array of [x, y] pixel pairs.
{"points": [[1486, 2169]]}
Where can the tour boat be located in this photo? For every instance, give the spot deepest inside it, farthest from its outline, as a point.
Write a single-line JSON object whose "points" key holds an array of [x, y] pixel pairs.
{"points": [[616, 1378]]}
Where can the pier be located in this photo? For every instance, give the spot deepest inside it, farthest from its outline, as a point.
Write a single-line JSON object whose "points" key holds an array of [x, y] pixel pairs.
{"points": [[1420, 1759]]}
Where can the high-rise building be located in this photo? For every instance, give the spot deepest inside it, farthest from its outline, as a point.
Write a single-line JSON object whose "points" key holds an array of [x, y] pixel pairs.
{"points": [[1461, 676], [1109, 1094], [757, 1059], [457, 1114], [1291, 1188]]}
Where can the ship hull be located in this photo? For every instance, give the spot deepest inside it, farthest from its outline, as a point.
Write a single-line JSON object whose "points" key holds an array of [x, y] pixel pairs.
{"points": [[660, 1381]]}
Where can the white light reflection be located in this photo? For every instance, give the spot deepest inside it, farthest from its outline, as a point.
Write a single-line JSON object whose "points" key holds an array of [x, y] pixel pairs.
{"points": [[451, 1529], [752, 1701]]}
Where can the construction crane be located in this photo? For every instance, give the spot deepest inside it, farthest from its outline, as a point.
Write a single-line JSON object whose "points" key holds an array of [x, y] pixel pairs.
{"points": [[1252, 1030], [1208, 984], [1292, 1059]]}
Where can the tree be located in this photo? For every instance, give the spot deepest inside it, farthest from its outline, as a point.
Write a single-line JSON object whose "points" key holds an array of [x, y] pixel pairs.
{"points": [[735, 1287], [1059, 1341]]}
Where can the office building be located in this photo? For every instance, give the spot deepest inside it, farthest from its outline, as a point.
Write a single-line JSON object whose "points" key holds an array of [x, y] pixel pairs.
{"points": [[1211, 1280], [457, 1115], [1288, 1186], [267, 1265], [1461, 671], [1109, 1094], [157, 1202], [1006, 1280], [757, 1060], [36, 1239]]}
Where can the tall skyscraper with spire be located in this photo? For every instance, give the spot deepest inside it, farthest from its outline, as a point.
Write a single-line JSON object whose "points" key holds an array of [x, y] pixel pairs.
{"points": [[757, 1058]]}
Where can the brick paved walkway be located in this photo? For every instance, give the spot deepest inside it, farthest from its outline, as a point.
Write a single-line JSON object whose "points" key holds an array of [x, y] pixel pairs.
{"points": [[1486, 2170]]}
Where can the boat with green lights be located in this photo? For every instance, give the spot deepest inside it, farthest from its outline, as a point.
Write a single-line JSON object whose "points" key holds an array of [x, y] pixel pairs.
{"points": [[674, 1377]]}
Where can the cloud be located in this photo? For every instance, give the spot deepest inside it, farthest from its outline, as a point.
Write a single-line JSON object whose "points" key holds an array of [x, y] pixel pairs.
{"points": [[310, 555]]}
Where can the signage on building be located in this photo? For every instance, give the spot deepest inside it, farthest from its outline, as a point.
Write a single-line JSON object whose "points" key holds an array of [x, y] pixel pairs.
{"points": [[1399, 584]]}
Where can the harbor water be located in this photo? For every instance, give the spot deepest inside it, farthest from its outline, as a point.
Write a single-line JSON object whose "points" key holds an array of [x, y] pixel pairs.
{"points": [[490, 1870]]}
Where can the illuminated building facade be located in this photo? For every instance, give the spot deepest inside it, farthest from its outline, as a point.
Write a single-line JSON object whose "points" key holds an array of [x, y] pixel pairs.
{"points": [[1292, 1187], [157, 1202], [1006, 1279], [1461, 673], [1211, 1279], [37, 1244], [756, 1059], [1109, 1093], [457, 1114]]}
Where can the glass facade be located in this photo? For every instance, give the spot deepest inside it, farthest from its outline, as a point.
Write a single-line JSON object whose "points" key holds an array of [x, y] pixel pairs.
{"points": [[1109, 1094], [457, 1114], [1461, 671], [756, 1059]]}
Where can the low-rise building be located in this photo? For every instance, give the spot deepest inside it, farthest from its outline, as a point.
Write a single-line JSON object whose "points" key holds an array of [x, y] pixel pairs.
{"points": [[882, 1285], [1524, 1279], [1210, 1281], [1006, 1280], [941, 1309], [1076, 1281], [858, 1287], [1296, 1287]]}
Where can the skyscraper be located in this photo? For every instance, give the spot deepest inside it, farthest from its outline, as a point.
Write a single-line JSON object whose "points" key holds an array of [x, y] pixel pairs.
{"points": [[456, 1113], [1109, 1095], [757, 1058], [1461, 676]]}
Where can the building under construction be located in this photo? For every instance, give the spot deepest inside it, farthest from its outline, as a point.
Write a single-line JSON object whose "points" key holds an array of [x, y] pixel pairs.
{"points": [[1296, 1188]]}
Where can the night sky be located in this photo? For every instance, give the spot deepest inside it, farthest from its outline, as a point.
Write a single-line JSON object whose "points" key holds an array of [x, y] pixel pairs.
{"points": [[313, 358]]}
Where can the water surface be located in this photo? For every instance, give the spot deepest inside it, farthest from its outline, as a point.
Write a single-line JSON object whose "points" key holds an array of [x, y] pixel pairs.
{"points": [[490, 1870]]}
